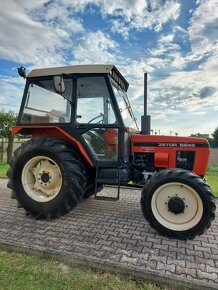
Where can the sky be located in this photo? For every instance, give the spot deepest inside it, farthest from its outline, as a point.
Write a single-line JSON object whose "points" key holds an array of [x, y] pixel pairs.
{"points": [[174, 41]]}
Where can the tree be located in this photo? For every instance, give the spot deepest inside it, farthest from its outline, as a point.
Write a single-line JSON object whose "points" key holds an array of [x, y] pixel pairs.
{"points": [[7, 120], [215, 138], [205, 136]]}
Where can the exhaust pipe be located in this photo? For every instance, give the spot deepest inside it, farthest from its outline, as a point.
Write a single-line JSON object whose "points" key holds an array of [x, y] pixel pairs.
{"points": [[145, 119]]}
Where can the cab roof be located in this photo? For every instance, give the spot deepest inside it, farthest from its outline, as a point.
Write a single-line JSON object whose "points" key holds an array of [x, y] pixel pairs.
{"points": [[81, 69], [98, 68]]}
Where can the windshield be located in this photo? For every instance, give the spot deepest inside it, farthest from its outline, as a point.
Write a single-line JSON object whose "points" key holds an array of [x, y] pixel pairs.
{"points": [[124, 106]]}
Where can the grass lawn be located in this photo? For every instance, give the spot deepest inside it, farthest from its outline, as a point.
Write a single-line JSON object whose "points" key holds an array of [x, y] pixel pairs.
{"points": [[3, 169], [212, 179], [21, 271]]}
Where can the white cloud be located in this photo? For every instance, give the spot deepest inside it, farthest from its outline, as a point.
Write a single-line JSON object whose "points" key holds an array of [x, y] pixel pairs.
{"points": [[61, 15], [142, 14], [95, 47], [49, 33], [138, 14], [29, 41], [120, 27], [204, 26], [11, 90]]}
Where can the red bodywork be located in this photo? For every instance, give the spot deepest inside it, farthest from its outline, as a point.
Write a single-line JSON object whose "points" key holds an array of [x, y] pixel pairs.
{"points": [[165, 148], [53, 131], [110, 137]]}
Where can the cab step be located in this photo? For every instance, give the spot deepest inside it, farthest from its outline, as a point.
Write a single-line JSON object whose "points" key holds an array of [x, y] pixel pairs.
{"points": [[106, 198], [108, 182]]}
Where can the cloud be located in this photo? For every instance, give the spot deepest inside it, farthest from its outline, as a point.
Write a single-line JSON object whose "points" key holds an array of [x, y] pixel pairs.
{"points": [[11, 90], [59, 15], [140, 14], [207, 92], [95, 47], [120, 27], [29, 41], [186, 91], [181, 59], [127, 16], [203, 27]]}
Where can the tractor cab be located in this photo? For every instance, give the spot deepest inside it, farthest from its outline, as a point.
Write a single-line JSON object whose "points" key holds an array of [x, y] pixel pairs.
{"points": [[87, 102]]}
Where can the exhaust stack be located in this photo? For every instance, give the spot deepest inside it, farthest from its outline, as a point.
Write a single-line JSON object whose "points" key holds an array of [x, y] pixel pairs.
{"points": [[145, 119]]}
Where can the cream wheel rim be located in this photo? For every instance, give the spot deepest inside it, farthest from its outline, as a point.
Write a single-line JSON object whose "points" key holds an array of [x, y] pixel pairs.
{"points": [[193, 206], [41, 178]]}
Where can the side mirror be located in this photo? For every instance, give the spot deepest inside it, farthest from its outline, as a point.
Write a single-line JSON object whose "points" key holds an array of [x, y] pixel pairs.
{"points": [[22, 72], [59, 85]]}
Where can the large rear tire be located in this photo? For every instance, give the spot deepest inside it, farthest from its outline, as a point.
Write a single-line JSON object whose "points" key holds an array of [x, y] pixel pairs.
{"points": [[178, 203], [46, 177], [90, 189]]}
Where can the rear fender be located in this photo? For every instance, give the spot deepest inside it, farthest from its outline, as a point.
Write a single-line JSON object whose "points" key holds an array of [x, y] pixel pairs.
{"points": [[54, 131]]}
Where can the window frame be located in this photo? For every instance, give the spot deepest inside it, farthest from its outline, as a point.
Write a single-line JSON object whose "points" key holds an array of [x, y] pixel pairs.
{"points": [[29, 81]]}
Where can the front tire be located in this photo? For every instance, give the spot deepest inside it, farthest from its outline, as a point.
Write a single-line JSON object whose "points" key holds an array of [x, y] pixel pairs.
{"points": [[46, 177], [178, 203]]}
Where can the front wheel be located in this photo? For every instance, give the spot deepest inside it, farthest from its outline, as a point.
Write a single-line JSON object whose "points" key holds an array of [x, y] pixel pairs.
{"points": [[178, 203]]}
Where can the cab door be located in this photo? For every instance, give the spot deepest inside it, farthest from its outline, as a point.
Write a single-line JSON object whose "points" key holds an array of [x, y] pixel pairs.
{"points": [[96, 118]]}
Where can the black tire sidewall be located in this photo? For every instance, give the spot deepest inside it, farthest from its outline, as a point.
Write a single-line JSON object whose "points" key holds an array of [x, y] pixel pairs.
{"points": [[161, 179], [26, 200]]}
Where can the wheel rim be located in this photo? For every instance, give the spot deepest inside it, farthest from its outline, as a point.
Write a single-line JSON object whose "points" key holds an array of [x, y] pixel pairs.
{"points": [[189, 214], [41, 178]]}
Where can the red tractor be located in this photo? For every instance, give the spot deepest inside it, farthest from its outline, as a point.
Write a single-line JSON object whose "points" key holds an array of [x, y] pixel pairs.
{"points": [[84, 136]]}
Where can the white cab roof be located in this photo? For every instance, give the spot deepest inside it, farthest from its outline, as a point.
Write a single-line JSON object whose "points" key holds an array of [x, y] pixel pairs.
{"points": [[95, 68]]}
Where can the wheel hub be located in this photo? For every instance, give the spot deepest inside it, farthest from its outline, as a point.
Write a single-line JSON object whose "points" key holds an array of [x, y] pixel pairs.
{"points": [[45, 177], [42, 178], [176, 205]]}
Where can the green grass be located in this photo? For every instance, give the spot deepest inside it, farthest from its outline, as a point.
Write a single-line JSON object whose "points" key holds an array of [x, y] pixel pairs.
{"points": [[213, 182], [22, 272], [212, 178], [3, 169], [212, 169]]}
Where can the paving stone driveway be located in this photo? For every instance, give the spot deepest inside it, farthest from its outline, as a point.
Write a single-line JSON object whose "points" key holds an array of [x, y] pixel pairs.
{"points": [[114, 235]]}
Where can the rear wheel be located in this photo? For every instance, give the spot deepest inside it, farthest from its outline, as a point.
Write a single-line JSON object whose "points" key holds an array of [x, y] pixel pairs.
{"points": [[47, 177], [90, 189], [178, 203]]}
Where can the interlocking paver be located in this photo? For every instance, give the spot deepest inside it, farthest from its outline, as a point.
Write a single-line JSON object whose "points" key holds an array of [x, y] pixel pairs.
{"points": [[114, 234]]}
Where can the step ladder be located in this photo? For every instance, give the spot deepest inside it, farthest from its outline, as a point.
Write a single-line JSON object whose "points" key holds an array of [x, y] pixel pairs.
{"points": [[108, 182]]}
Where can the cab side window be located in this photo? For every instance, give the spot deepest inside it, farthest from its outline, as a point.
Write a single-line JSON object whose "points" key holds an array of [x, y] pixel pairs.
{"points": [[93, 102]]}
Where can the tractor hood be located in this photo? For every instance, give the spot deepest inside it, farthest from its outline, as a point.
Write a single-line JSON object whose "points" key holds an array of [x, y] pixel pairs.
{"points": [[169, 151], [168, 141]]}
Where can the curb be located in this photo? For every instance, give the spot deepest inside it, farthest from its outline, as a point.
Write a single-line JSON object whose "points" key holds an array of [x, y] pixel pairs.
{"points": [[149, 276]]}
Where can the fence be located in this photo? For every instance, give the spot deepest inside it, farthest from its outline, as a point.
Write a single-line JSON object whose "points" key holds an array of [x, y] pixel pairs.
{"points": [[3, 147], [213, 157]]}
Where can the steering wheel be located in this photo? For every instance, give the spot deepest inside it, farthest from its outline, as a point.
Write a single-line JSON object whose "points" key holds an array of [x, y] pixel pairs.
{"points": [[99, 116]]}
